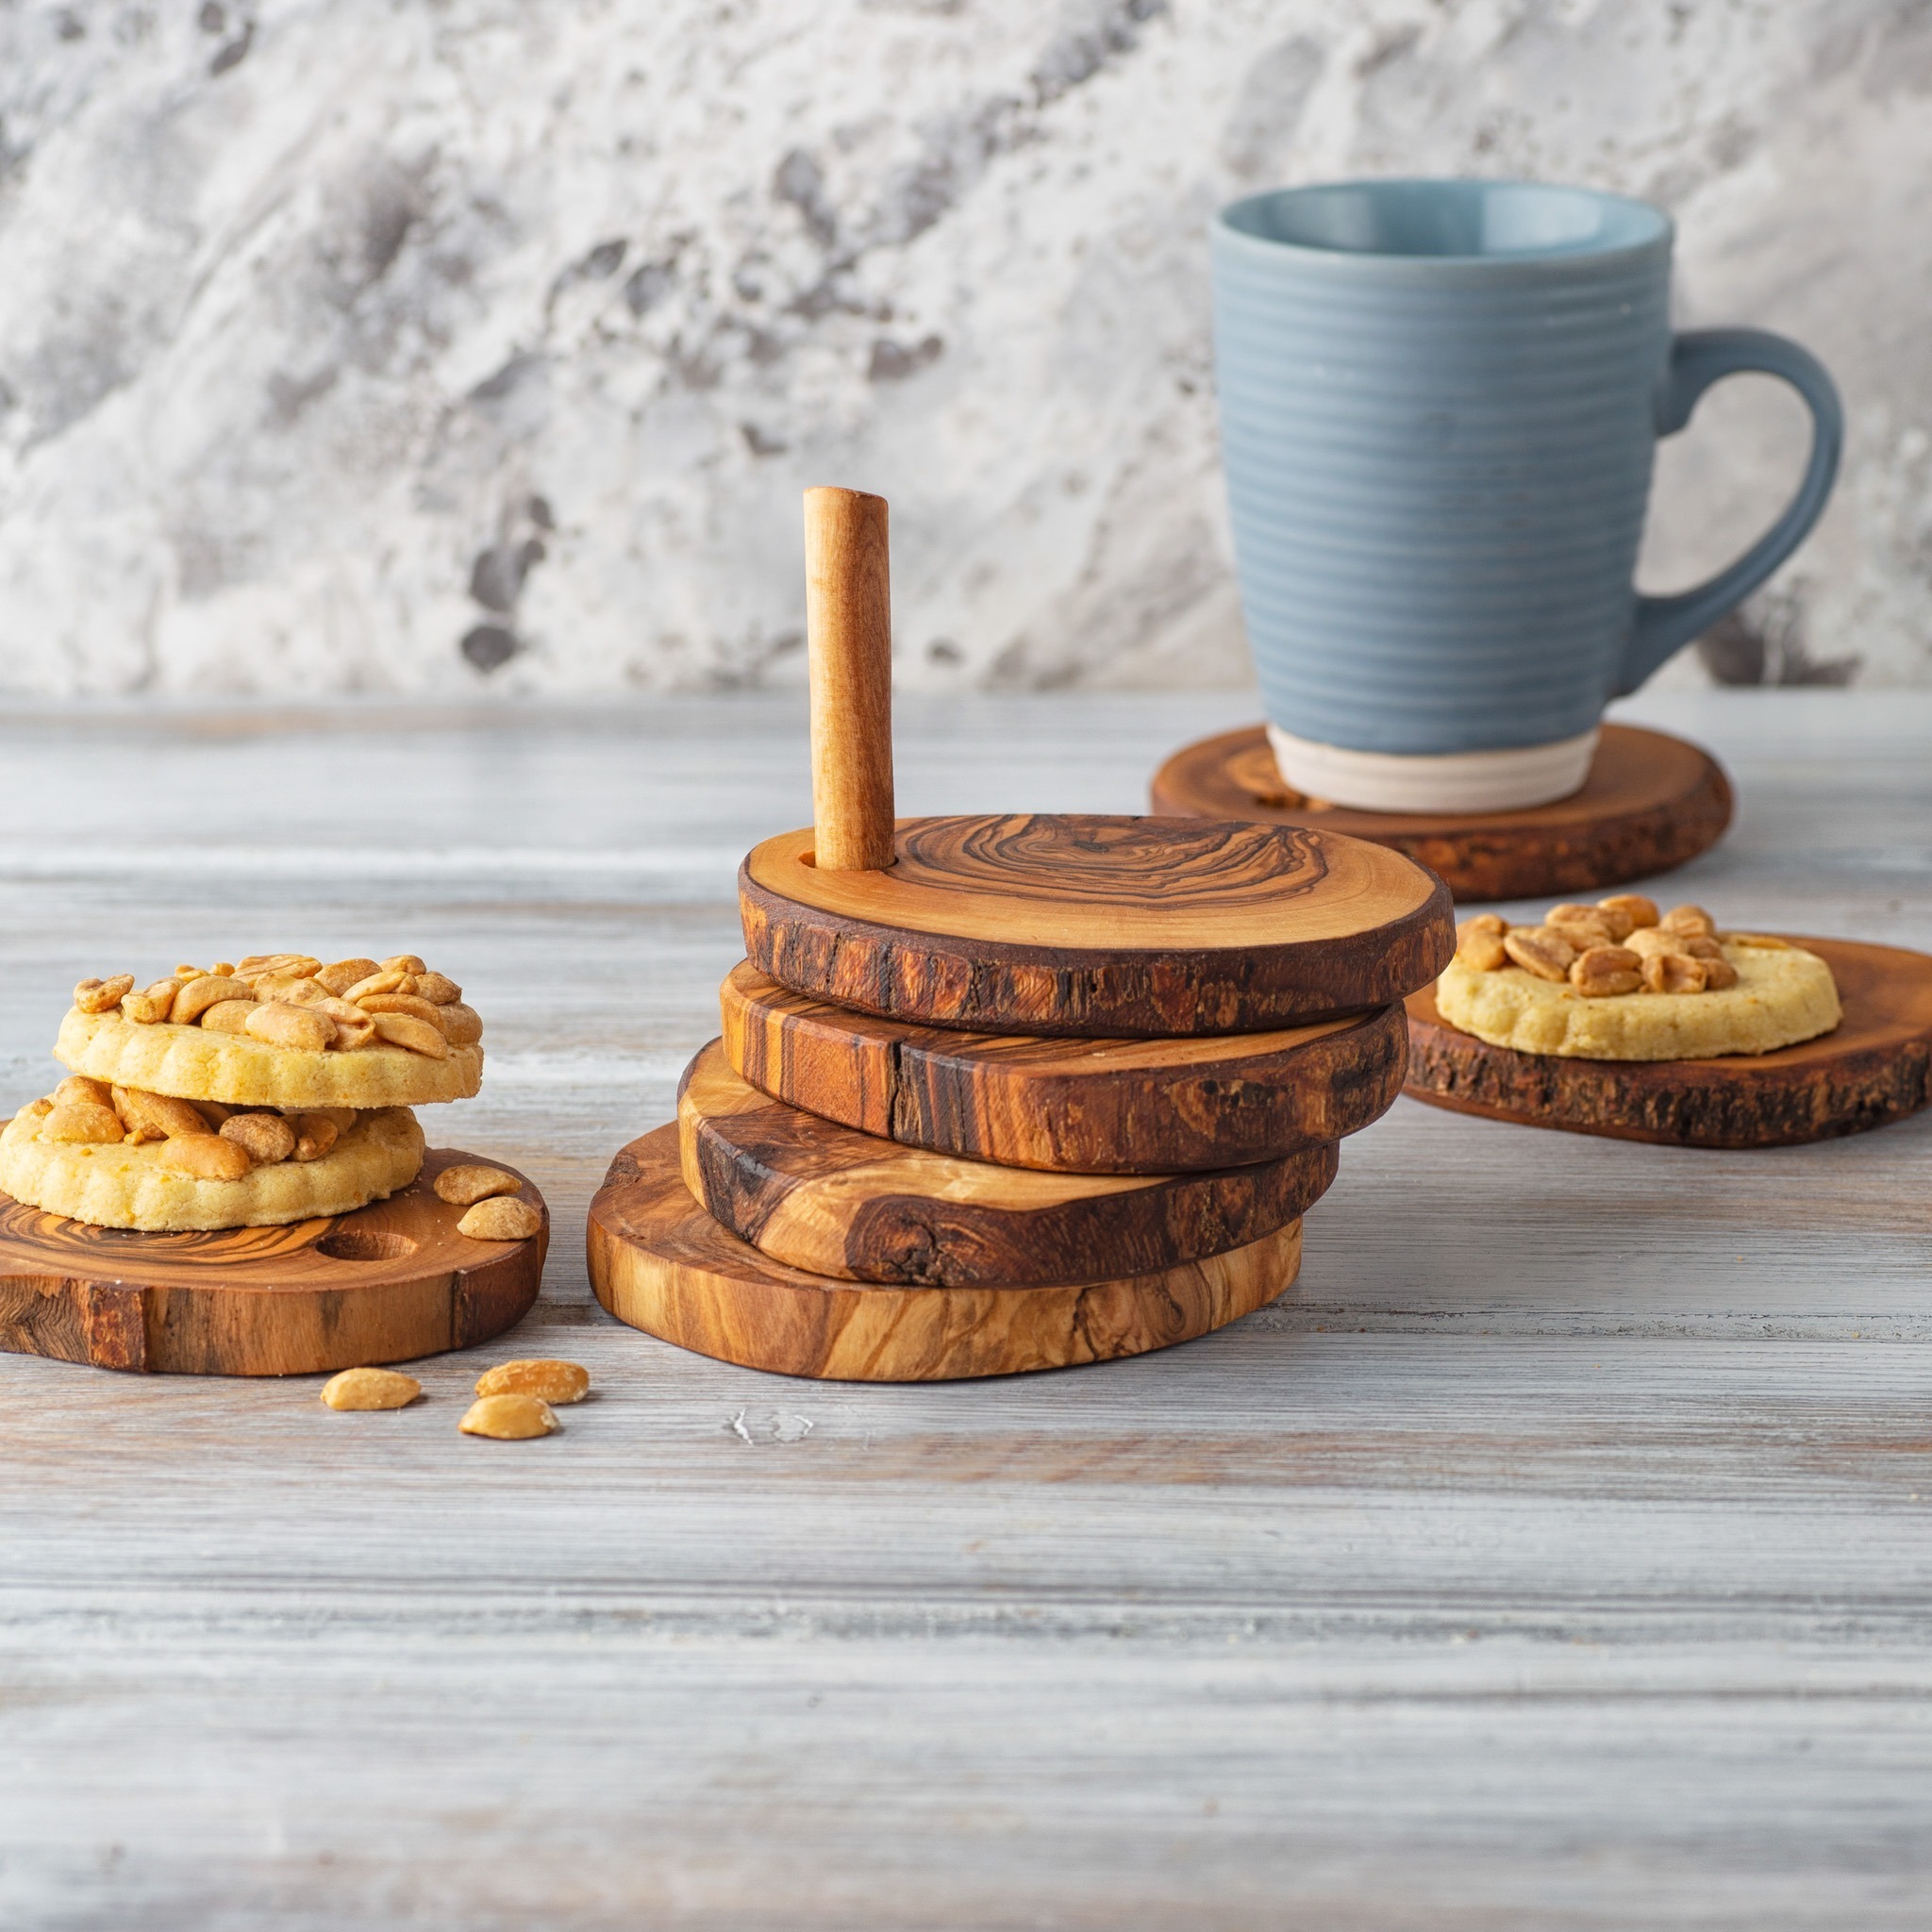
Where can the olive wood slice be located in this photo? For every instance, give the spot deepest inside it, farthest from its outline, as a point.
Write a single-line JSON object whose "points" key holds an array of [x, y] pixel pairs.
{"points": [[392, 1282], [1089, 925], [831, 1200], [1651, 802], [660, 1263], [1870, 1071], [1067, 1106]]}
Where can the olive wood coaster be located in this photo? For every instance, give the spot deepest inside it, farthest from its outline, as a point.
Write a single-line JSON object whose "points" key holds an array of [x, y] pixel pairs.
{"points": [[1650, 802], [1870, 1071], [660, 1263], [1079, 1106], [1051, 924], [833, 1201], [390, 1282]]}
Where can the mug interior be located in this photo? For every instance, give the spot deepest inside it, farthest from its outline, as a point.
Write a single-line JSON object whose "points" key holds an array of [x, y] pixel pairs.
{"points": [[1447, 220]]}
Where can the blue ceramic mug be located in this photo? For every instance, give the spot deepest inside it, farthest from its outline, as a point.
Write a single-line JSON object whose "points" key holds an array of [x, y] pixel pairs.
{"points": [[1440, 401]]}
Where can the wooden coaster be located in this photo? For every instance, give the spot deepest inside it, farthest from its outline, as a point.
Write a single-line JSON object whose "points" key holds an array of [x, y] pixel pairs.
{"points": [[1057, 925], [389, 1283], [1873, 1070], [660, 1263], [833, 1201], [1651, 802], [1072, 1106]]}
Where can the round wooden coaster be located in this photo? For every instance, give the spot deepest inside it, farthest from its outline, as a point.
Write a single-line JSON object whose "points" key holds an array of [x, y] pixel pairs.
{"points": [[1087, 926], [389, 1283], [833, 1201], [1070, 1107], [660, 1263], [1651, 802], [1873, 1070]]}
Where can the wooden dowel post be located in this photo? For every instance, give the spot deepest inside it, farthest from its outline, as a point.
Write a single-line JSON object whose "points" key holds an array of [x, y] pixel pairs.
{"points": [[848, 621]]}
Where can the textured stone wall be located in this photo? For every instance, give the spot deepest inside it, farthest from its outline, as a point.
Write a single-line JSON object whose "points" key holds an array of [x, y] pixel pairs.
{"points": [[438, 345]]}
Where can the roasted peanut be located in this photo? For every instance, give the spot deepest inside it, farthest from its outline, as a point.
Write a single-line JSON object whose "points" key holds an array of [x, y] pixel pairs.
{"points": [[223, 969], [439, 989], [1537, 949], [464, 1185], [190, 973], [1634, 905], [1675, 972], [102, 995], [260, 966], [209, 989], [37, 1109], [1483, 922], [83, 1121], [502, 1218], [382, 980], [1719, 974], [1688, 919], [315, 1134], [418, 1036], [292, 989], [508, 1418], [352, 1032], [462, 1026], [1482, 952], [266, 1137], [150, 1007], [371, 1389], [403, 962], [1606, 970], [340, 976], [1764, 941], [1583, 926], [1616, 921], [399, 1003], [206, 1157], [80, 1090], [1647, 939], [213, 1111], [156, 1116], [340, 1118], [550, 1381], [300, 1027], [1699, 945], [227, 1016]]}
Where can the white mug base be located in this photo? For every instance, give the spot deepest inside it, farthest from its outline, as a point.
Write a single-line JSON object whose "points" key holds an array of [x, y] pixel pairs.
{"points": [[1434, 782]]}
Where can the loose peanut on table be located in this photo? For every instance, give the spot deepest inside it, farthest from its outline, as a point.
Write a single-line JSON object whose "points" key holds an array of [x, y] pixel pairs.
{"points": [[508, 1418], [502, 1218], [553, 1381], [466, 1184], [371, 1389]]}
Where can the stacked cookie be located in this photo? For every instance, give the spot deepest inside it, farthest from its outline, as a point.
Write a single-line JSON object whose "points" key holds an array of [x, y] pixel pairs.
{"points": [[241, 1095]]}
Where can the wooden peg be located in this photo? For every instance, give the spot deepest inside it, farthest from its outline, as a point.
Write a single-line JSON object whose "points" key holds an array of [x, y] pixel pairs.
{"points": [[848, 616]]}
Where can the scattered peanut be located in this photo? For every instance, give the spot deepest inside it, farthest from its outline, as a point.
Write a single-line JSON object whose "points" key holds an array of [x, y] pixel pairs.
{"points": [[1606, 970], [102, 995], [1675, 972], [265, 1138], [502, 1218], [418, 1036], [206, 1157], [1537, 949], [1719, 973], [301, 1028], [551, 1381], [371, 1389], [464, 1185], [508, 1418]]}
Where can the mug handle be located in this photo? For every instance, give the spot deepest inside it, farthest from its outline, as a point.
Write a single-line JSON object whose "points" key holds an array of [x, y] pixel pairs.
{"points": [[1698, 359]]}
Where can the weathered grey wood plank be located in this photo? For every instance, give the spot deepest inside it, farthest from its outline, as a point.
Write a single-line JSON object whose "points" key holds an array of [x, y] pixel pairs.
{"points": [[1556, 1556]]}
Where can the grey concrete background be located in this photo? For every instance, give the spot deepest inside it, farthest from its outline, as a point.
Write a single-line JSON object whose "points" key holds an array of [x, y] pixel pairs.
{"points": [[471, 345]]}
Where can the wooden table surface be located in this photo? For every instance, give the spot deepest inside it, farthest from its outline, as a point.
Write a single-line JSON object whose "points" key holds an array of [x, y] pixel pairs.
{"points": [[1556, 1555]]}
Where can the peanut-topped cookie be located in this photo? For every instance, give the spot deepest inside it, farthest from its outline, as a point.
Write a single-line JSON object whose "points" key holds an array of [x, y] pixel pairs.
{"points": [[1621, 981], [119, 1157], [281, 1030]]}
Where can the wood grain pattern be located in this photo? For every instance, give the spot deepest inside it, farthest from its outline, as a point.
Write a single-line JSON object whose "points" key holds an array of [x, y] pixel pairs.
{"points": [[660, 1262], [1652, 803], [1870, 1071], [848, 626], [1088, 925], [826, 1198], [390, 1282], [1083, 1106]]}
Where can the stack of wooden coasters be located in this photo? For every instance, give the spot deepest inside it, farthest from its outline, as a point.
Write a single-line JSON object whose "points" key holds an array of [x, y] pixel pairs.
{"points": [[1007, 1092]]}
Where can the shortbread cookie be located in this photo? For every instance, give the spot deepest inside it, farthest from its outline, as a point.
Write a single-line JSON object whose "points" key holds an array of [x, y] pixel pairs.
{"points": [[1781, 994], [196, 1063], [142, 1186]]}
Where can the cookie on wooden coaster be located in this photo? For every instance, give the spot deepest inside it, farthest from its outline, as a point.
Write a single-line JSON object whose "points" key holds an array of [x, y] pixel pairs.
{"points": [[823, 1197]]}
